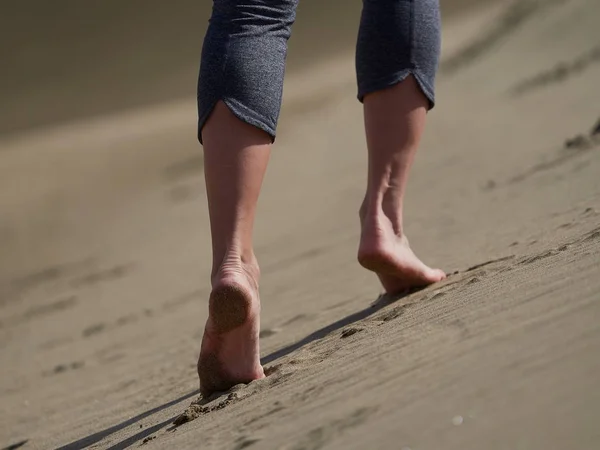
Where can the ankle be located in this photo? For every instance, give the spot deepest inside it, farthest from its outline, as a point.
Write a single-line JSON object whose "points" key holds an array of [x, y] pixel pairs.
{"points": [[382, 211], [234, 265]]}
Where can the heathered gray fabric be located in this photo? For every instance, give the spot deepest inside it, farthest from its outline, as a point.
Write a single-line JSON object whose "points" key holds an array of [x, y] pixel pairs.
{"points": [[244, 52]]}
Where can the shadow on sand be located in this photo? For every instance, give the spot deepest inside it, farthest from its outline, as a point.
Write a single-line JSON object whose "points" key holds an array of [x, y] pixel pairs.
{"points": [[381, 302]]}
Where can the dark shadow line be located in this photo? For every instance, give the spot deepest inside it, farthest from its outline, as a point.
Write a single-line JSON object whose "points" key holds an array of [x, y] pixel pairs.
{"points": [[381, 302], [96, 437], [16, 445], [141, 435]]}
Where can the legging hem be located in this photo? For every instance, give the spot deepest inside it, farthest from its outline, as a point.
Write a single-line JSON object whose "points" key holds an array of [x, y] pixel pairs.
{"points": [[240, 111], [389, 81]]}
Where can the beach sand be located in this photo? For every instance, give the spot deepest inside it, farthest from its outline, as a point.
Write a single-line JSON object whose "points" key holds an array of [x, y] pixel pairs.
{"points": [[105, 246]]}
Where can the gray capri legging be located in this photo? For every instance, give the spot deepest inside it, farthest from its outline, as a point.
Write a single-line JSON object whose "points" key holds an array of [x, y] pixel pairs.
{"points": [[244, 53]]}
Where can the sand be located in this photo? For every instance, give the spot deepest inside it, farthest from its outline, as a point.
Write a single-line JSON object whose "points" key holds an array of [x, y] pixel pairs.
{"points": [[105, 256]]}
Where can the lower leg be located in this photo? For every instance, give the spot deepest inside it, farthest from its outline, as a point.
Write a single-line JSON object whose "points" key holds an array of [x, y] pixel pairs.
{"points": [[242, 70], [394, 123], [235, 160]]}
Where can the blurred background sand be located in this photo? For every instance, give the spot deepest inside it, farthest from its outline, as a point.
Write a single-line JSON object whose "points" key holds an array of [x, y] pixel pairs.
{"points": [[68, 59], [105, 251]]}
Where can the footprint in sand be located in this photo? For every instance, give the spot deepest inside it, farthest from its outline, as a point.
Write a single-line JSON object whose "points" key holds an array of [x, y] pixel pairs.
{"points": [[268, 332], [298, 318], [349, 331], [245, 442], [587, 212], [93, 329], [110, 274], [394, 313], [62, 368]]}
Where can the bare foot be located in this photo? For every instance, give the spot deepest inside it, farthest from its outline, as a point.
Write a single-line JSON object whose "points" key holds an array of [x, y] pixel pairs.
{"points": [[230, 346], [392, 259]]}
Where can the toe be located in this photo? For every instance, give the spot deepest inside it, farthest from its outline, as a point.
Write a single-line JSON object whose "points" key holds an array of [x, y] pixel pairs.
{"points": [[437, 275]]}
